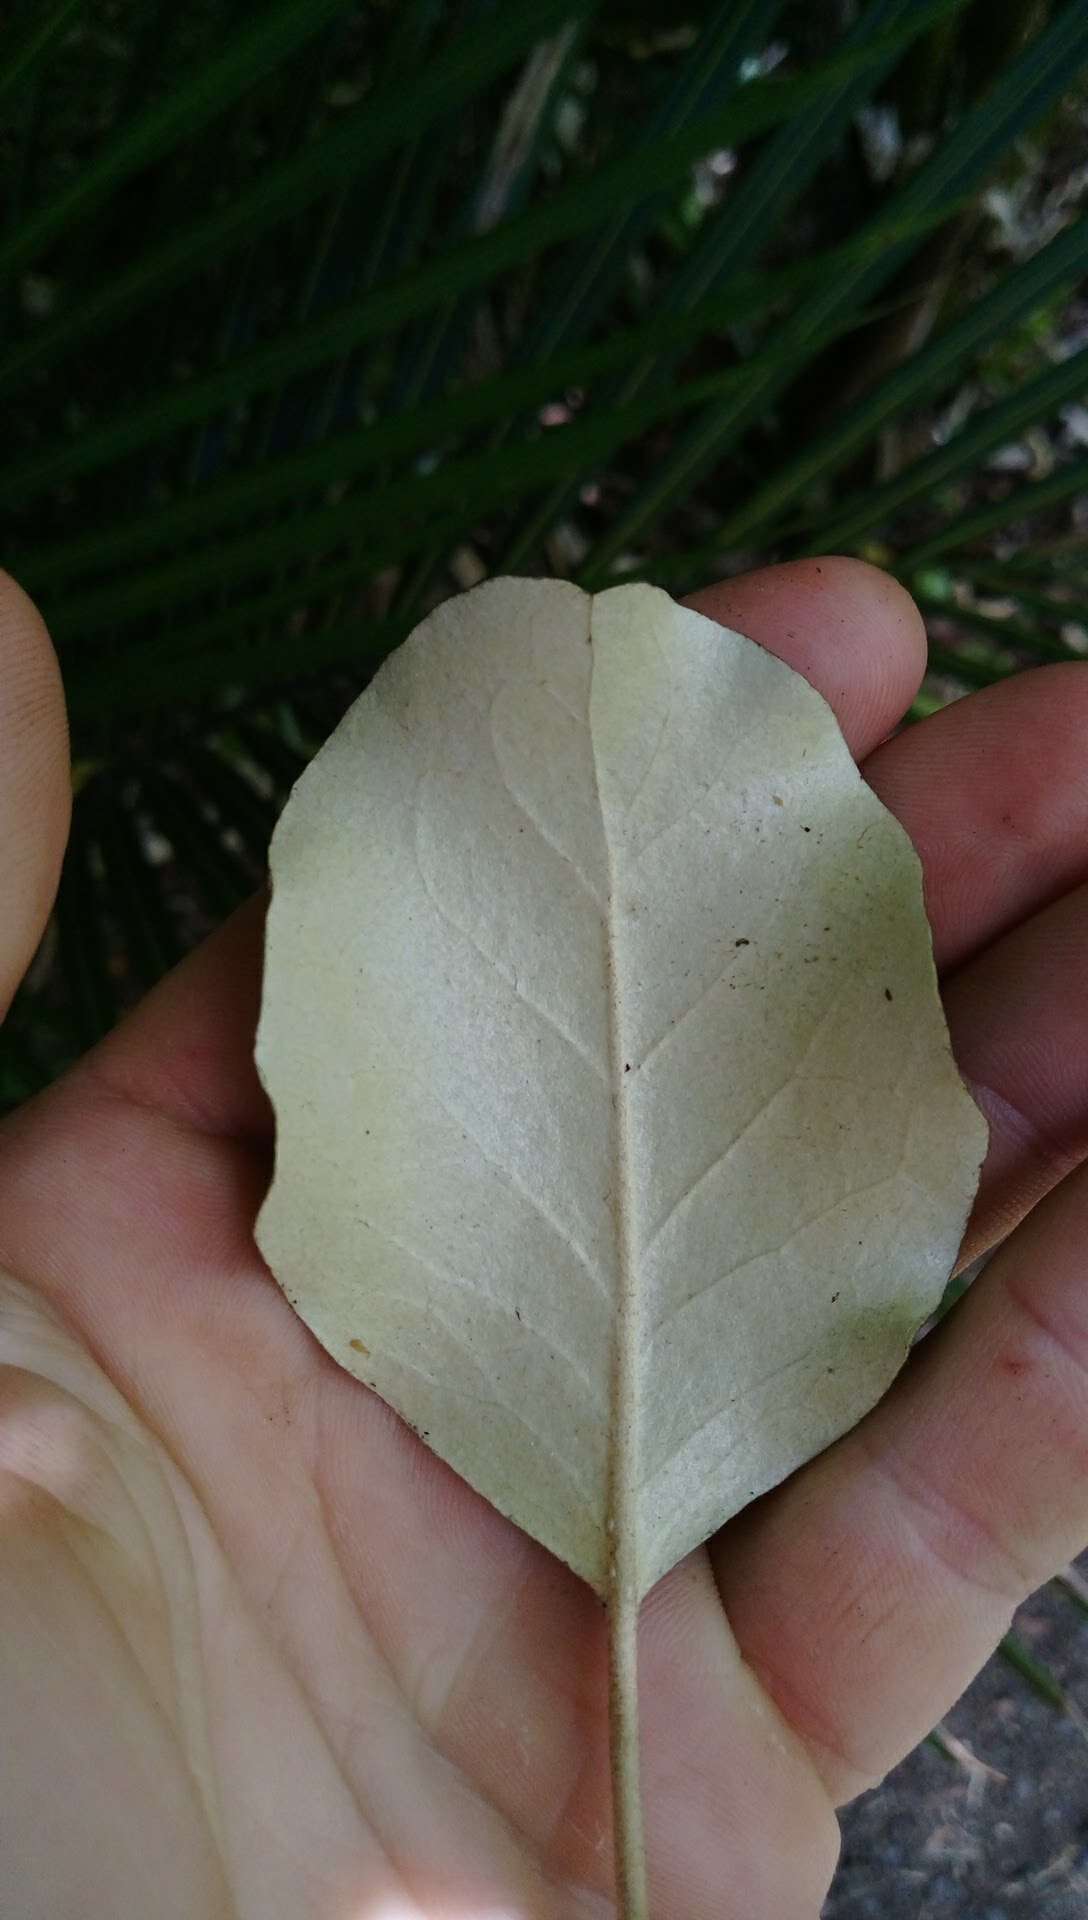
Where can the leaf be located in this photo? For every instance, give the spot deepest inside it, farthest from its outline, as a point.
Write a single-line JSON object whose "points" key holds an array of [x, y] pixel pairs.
{"points": [[1020, 504], [472, 264], [208, 90], [347, 149], [21, 60], [925, 372], [620, 1146], [1019, 98], [961, 454], [396, 435]]}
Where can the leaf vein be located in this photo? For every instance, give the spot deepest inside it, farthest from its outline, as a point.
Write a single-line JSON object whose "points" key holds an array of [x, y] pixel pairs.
{"points": [[768, 1253], [516, 1186], [537, 824], [463, 1283], [492, 1405], [753, 1120], [508, 974], [640, 785]]}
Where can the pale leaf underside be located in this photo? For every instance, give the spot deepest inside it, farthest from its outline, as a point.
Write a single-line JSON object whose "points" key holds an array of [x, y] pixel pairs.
{"points": [[620, 1146]]}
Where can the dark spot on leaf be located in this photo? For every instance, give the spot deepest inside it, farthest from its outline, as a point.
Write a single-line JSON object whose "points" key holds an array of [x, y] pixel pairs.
{"points": [[517, 1313], [627, 1066], [888, 995], [742, 943], [358, 1347], [834, 1297]]}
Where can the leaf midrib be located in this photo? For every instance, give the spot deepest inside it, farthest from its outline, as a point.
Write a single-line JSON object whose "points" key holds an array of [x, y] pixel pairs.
{"points": [[622, 1514], [624, 1589]]}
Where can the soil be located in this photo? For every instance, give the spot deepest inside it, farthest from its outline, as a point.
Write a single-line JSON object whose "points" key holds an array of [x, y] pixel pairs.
{"points": [[1003, 1840]]}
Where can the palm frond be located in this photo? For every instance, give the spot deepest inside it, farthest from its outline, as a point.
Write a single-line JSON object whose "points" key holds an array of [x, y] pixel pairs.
{"points": [[439, 308], [34, 46], [1013, 105], [208, 91]]}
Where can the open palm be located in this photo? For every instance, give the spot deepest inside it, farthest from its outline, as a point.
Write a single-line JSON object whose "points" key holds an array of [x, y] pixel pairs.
{"points": [[261, 1654]]}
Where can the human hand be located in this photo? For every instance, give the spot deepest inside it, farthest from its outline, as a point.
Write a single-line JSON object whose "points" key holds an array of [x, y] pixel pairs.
{"points": [[262, 1654]]}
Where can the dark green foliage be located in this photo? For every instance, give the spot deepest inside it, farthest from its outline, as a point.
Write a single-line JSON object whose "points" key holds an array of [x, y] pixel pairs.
{"points": [[314, 313]]}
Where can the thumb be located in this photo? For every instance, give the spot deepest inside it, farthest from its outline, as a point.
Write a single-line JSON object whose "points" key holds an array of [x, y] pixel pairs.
{"points": [[35, 786]]}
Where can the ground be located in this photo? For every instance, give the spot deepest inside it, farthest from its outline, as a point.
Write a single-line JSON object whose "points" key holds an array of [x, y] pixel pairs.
{"points": [[1006, 1841]]}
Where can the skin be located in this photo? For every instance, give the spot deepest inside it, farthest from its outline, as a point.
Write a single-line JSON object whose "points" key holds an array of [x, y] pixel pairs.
{"points": [[261, 1654]]}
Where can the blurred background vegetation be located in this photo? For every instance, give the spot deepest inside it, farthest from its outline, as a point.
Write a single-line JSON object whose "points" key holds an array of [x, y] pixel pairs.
{"points": [[314, 313]]}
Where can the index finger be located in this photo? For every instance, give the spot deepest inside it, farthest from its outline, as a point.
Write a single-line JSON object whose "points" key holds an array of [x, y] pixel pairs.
{"points": [[853, 632]]}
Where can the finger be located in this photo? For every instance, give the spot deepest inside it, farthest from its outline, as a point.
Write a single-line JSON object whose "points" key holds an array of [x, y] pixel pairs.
{"points": [[993, 792], [1018, 1016], [852, 631], [869, 1590], [189, 1048], [35, 789]]}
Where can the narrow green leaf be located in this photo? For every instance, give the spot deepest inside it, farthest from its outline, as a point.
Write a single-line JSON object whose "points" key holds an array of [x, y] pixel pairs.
{"points": [[1060, 557], [961, 162], [391, 206], [1020, 504], [81, 936], [504, 182], [218, 873], [1014, 635], [147, 671], [962, 667], [191, 675], [473, 264], [20, 60], [135, 894], [731, 240], [593, 272], [1006, 580], [394, 519], [398, 436], [996, 426], [1035, 1671], [347, 149], [924, 374], [236, 800], [213, 86], [789, 160], [268, 750]]}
